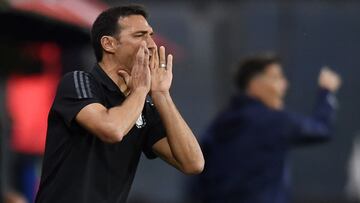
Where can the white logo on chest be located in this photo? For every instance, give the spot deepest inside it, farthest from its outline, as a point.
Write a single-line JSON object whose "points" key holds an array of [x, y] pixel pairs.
{"points": [[140, 122]]}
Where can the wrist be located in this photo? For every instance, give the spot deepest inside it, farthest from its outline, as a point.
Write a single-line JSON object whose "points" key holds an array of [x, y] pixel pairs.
{"points": [[160, 93], [326, 89], [140, 91], [159, 97]]}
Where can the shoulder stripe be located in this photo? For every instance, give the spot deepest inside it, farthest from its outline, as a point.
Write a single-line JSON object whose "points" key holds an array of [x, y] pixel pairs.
{"points": [[82, 84], [76, 82], [88, 85]]}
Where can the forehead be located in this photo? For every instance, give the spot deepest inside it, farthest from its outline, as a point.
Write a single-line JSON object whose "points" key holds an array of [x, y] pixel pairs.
{"points": [[134, 23], [273, 68]]}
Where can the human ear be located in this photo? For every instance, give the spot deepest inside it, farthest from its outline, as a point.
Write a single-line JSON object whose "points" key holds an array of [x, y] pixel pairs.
{"points": [[108, 44]]}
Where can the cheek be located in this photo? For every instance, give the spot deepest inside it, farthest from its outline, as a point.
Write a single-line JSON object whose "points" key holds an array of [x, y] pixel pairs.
{"points": [[127, 51], [129, 44], [129, 48], [273, 87]]}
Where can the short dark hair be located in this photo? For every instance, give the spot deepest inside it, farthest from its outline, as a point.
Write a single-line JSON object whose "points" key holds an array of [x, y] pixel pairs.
{"points": [[107, 24], [251, 67]]}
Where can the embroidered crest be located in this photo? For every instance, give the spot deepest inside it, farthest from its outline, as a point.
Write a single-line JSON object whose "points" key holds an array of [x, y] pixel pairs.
{"points": [[140, 121]]}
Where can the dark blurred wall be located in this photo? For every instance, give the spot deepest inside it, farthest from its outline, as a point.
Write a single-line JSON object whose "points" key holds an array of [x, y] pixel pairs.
{"points": [[325, 34], [213, 35]]}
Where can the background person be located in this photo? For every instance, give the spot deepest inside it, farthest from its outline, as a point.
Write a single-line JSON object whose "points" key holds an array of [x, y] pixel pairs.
{"points": [[246, 146]]}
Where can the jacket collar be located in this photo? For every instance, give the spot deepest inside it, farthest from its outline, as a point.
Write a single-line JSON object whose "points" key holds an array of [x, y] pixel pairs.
{"points": [[243, 99], [104, 79]]}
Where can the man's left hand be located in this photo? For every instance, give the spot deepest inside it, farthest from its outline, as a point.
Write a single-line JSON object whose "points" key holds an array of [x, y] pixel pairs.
{"points": [[329, 79], [161, 71]]}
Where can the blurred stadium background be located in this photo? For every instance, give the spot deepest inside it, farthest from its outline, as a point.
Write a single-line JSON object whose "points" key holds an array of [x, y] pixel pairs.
{"points": [[207, 38]]}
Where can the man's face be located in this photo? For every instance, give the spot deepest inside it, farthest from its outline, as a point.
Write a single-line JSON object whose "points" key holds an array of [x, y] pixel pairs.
{"points": [[270, 86], [273, 80], [134, 30]]}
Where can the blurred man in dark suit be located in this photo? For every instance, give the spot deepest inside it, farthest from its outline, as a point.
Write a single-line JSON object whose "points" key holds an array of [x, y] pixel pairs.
{"points": [[246, 146]]}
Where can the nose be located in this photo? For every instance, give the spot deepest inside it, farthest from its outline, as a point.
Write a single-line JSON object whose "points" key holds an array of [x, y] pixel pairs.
{"points": [[150, 43], [285, 84]]}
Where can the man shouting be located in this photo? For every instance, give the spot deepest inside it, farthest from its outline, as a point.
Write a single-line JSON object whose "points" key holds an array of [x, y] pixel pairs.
{"points": [[102, 120]]}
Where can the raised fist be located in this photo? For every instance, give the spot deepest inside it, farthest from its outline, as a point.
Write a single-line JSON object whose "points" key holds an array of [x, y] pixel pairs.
{"points": [[328, 79]]}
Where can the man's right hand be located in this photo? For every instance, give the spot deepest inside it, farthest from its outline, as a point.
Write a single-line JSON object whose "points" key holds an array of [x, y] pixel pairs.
{"points": [[330, 80], [112, 124], [140, 78]]}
